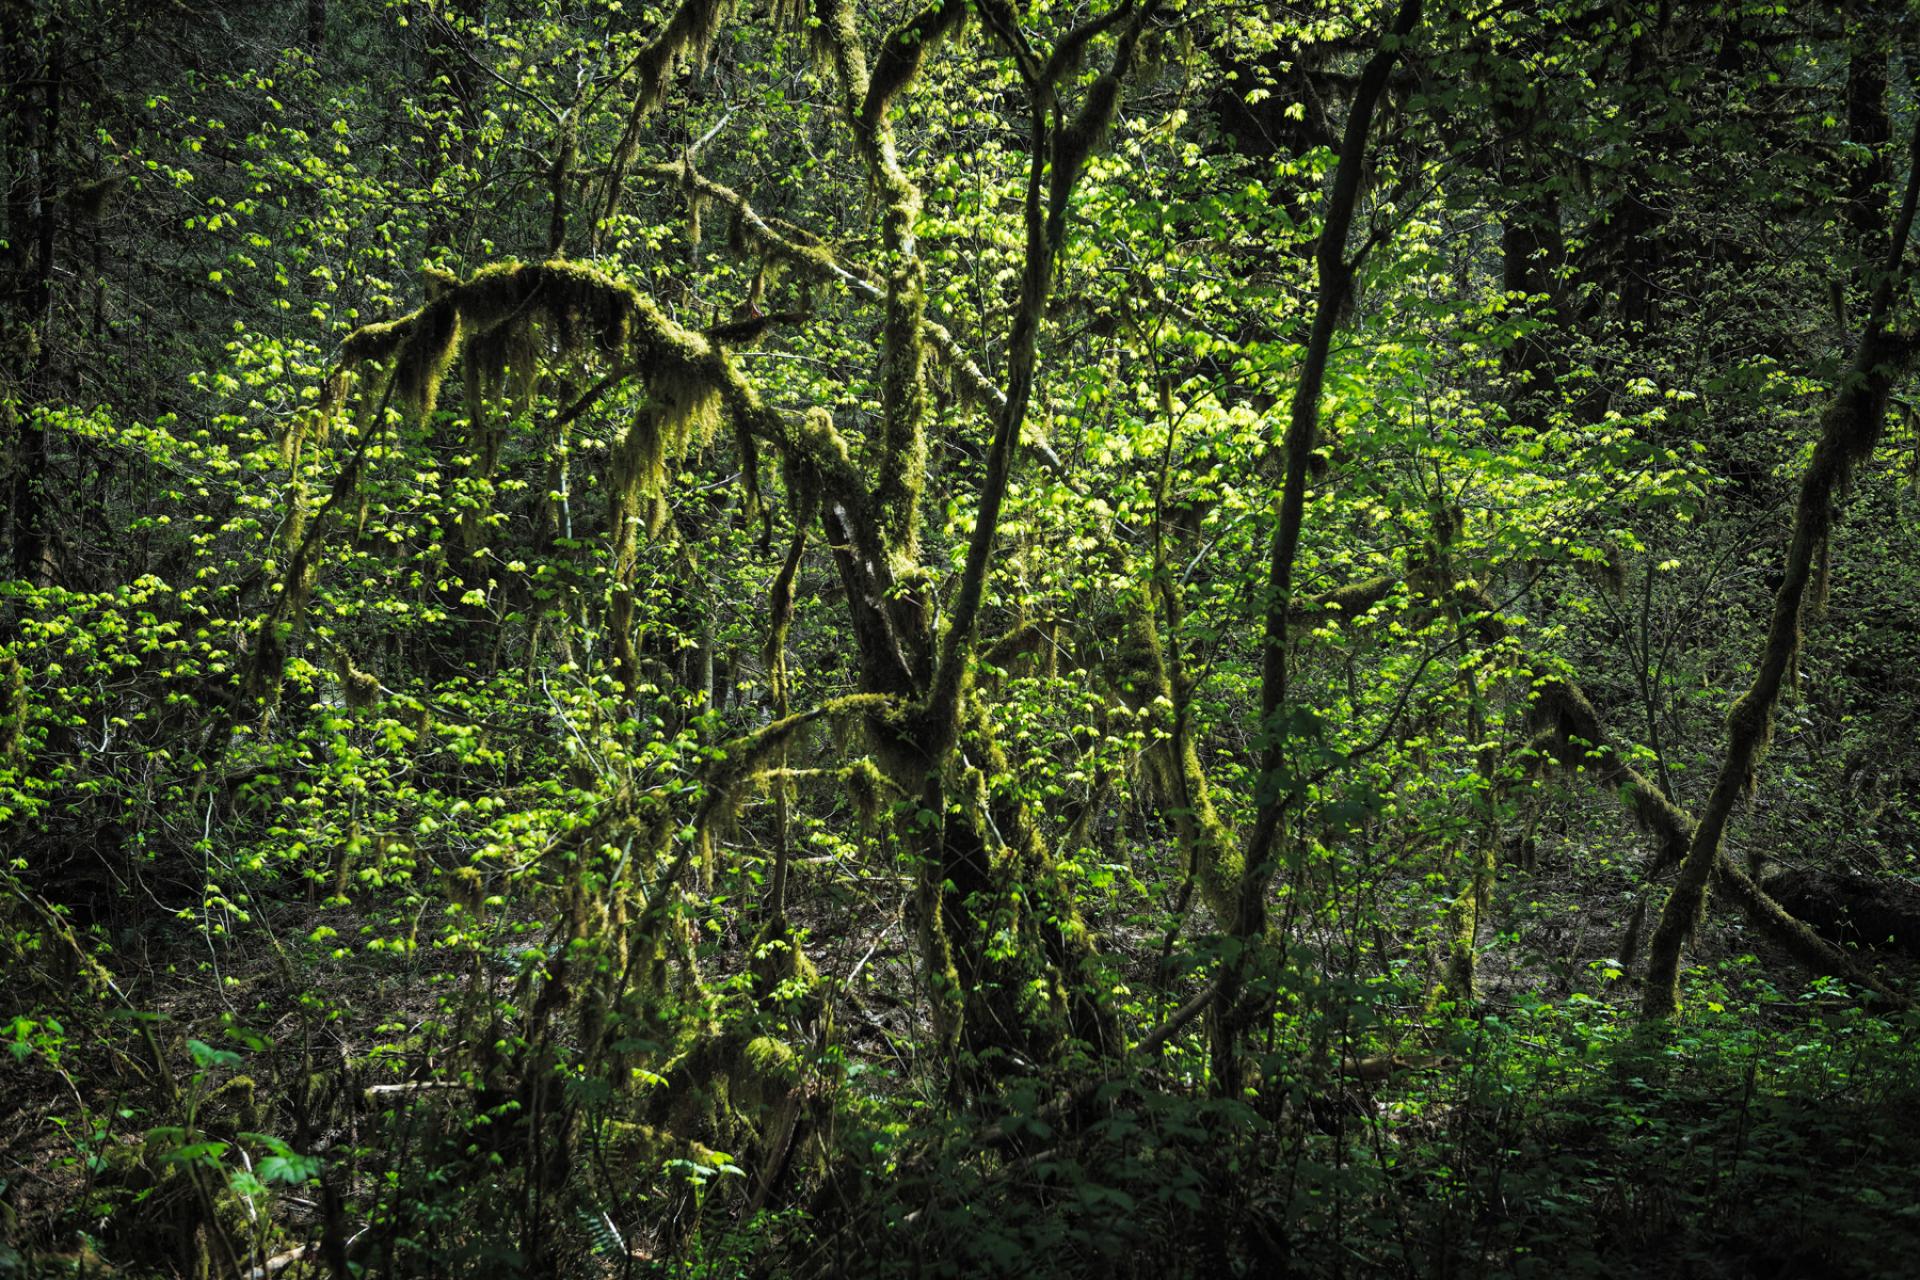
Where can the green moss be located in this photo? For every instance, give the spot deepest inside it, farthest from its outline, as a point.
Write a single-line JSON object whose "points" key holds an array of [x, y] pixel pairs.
{"points": [[361, 688], [687, 39], [817, 429], [436, 284], [1348, 602], [238, 1100], [903, 54], [869, 791], [903, 443]]}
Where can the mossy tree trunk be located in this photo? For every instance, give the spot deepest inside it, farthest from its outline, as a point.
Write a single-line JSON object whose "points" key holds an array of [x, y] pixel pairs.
{"points": [[1275, 795], [1849, 429]]}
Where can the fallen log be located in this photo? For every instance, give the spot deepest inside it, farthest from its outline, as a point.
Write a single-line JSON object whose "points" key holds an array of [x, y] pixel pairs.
{"points": [[1882, 912]]}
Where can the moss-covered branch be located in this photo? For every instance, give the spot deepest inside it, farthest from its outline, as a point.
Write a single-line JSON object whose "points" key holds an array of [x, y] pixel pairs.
{"points": [[869, 99], [810, 258], [1569, 734], [686, 38]]}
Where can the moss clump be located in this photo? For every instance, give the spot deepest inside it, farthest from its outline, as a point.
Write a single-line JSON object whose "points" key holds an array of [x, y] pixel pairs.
{"points": [[869, 790], [1346, 603], [361, 689], [436, 284], [822, 438], [238, 1101], [782, 973]]}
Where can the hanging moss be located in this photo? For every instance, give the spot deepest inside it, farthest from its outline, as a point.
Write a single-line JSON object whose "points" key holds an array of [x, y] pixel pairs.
{"points": [[688, 407], [89, 199], [1026, 639], [905, 51], [361, 688], [685, 40], [640, 462], [507, 361], [511, 320], [291, 439], [780, 601], [1165, 49], [696, 207], [1086, 132], [1823, 577], [514, 318], [870, 793], [681, 412], [778, 241], [487, 440], [753, 506], [1611, 569], [832, 42]]}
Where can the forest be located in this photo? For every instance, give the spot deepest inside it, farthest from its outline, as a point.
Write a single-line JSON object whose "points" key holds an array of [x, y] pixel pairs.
{"points": [[1085, 638]]}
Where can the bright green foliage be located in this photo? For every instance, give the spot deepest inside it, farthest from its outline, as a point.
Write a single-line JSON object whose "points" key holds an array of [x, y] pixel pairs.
{"points": [[642, 639]]}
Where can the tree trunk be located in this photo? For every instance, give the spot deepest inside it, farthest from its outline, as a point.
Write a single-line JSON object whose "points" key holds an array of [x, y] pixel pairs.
{"points": [[1336, 272], [1849, 429]]}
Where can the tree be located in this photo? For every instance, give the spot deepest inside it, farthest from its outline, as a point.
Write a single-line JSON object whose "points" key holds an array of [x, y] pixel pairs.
{"points": [[893, 636]]}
